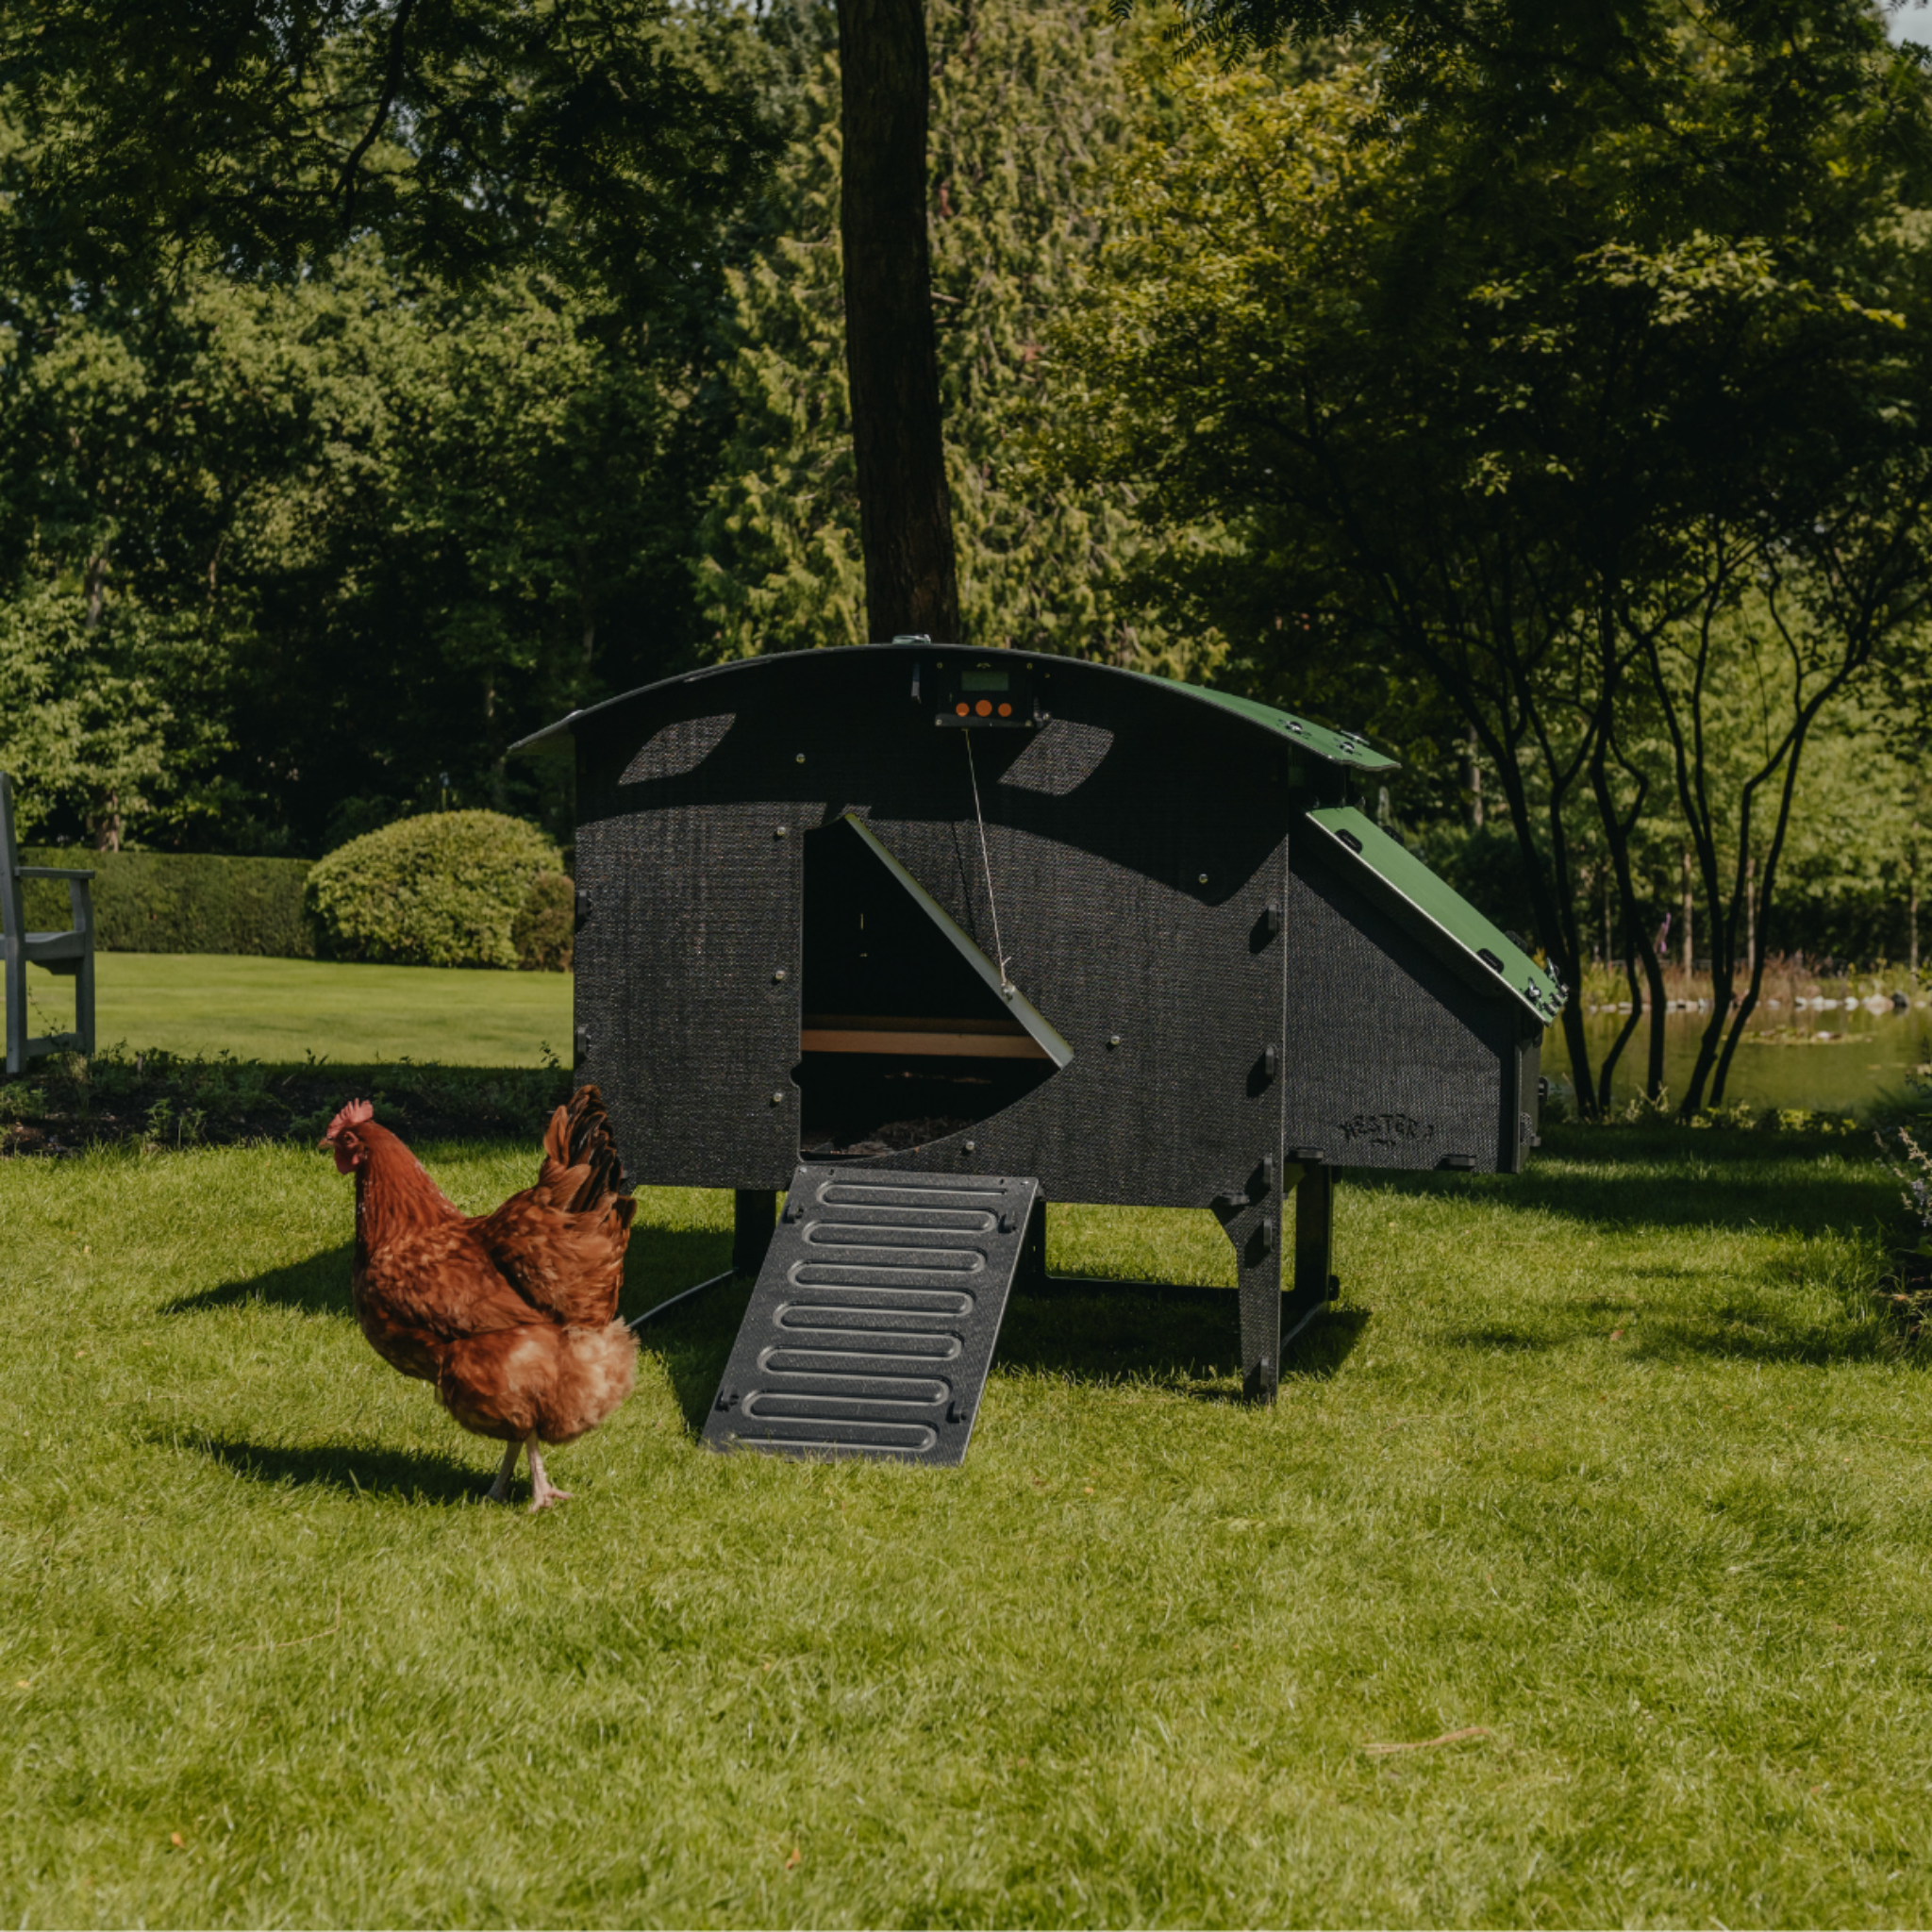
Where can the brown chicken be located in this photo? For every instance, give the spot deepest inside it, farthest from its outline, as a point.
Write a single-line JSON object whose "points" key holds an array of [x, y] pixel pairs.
{"points": [[510, 1314]]}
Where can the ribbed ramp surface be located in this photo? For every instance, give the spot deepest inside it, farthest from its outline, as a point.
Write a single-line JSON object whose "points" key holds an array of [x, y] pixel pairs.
{"points": [[873, 1325]]}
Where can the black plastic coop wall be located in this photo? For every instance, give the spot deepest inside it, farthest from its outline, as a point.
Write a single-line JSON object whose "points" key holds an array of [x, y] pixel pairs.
{"points": [[1227, 988]]}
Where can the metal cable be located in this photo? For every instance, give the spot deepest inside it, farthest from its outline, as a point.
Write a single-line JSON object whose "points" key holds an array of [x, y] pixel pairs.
{"points": [[992, 905]]}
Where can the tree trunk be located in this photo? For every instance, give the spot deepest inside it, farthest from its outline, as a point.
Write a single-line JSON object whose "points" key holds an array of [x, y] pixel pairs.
{"points": [[1618, 829], [1751, 915], [1476, 780], [891, 361], [1912, 915], [1689, 958], [94, 595]]}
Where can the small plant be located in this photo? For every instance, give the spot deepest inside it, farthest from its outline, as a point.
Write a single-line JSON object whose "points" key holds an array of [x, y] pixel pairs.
{"points": [[1907, 1295], [1640, 1111], [1806, 1120], [1911, 1167]]}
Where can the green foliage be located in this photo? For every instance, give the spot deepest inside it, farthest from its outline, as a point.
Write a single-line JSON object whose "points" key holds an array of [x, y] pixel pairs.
{"points": [[545, 930], [85, 722], [1597, 442], [166, 902], [285, 557], [1529, 70], [271, 550], [614, 141], [1028, 103], [442, 890], [364, 470]]}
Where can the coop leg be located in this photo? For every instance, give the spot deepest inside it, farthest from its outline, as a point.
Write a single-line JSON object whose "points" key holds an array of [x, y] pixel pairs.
{"points": [[1314, 1248], [755, 1215], [1031, 1273], [1252, 1221]]}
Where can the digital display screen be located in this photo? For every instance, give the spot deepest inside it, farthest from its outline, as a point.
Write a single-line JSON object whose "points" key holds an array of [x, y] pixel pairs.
{"points": [[984, 680]]}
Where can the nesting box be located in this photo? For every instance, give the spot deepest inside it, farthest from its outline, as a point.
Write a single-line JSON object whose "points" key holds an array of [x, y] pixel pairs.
{"points": [[923, 910]]}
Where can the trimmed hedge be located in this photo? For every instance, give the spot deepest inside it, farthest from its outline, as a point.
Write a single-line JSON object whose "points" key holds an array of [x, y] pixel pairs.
{"points": [[167, 902], [447, 888]]}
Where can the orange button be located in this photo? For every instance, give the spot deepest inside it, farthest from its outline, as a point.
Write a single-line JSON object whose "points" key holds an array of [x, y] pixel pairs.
{"points": [[983, 707], [962, 710], [1006, 710]]}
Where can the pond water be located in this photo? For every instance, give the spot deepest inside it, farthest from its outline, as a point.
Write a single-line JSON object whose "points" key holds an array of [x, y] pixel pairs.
{"points": [[1786, 1060]]}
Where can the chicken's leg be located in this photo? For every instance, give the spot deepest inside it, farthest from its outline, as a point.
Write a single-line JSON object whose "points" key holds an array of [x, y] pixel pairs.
{"points": [[499, 1490], [542, 1490]]}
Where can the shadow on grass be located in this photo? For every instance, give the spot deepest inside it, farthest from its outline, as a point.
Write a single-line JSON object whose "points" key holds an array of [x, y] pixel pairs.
{"points": [[663, 1262], [1122, 1332], [407, 1474], [1760, 1333], [1114, 1334], [1505, 1340], [1320, 1350], [1752, 1335], [693, 1342], [1724, 1179], [1119, 1332], [318, 1285]]}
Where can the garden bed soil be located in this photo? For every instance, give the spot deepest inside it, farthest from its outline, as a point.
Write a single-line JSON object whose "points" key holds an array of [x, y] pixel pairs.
{"points": [[66, 1106]]}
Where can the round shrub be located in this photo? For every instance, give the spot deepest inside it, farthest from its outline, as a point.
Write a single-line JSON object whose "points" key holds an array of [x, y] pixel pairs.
{"points": [[442, 890], [545, 932]]}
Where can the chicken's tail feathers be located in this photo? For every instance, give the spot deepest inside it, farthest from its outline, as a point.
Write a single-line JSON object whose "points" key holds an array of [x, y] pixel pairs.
{"points": [[581, 1163]]}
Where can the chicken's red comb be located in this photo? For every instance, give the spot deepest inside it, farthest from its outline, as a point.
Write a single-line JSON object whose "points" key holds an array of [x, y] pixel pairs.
{"points": [[351, 1116]]}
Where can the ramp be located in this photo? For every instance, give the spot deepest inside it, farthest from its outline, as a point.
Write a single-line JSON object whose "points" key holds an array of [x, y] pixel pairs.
{"points": [[873, 1324]]}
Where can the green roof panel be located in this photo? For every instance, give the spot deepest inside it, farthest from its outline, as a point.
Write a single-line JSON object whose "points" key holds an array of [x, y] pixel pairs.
{"points": [[1337, 747], [1404, 874]]}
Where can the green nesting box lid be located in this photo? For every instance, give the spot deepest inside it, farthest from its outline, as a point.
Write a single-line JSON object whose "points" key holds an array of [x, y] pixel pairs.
{"points": [[1400, 874]]}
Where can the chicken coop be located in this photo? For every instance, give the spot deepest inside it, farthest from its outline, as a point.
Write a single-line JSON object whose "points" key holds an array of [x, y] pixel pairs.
{"points": [[924, 937]]}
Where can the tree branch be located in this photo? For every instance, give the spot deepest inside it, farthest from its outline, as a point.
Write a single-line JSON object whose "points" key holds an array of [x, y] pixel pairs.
{"points": [[391, 84]]}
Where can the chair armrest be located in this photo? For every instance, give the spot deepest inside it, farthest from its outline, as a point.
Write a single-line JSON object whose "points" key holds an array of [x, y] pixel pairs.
{"points": [[50, 871]]}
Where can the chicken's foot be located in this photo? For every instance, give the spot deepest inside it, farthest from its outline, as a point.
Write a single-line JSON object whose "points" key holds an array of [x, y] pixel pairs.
{"points": [[499, 1490], [542, 1490]]}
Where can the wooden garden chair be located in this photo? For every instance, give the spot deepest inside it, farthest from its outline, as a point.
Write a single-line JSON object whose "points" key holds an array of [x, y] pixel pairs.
{"points": [[70, 953]]}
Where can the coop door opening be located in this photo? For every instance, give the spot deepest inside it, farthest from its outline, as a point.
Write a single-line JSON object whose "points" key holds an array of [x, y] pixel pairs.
{"points": [[908, 1034]]}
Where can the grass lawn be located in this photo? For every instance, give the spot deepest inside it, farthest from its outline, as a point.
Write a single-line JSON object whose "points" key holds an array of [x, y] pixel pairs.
{"points": [[1611, 1466], [281, 1010]]}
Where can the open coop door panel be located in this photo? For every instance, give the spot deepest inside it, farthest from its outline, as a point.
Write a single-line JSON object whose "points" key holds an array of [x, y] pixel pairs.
{"points": [[908, 1031]]}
